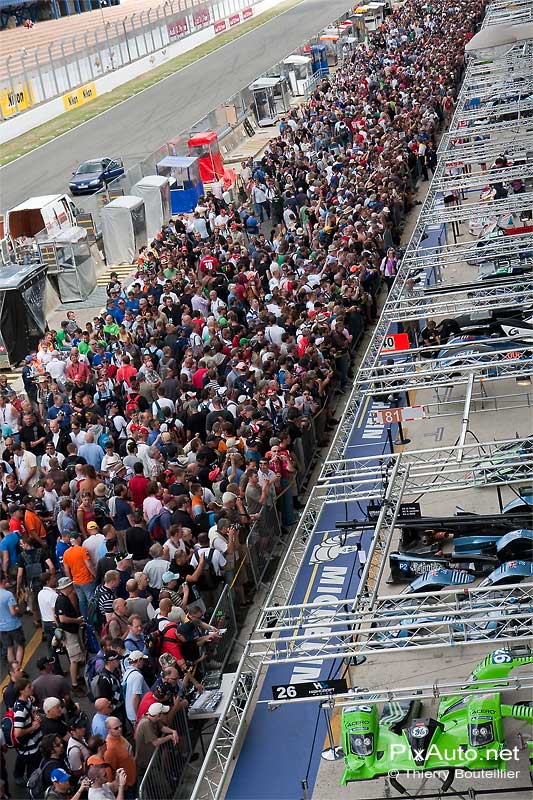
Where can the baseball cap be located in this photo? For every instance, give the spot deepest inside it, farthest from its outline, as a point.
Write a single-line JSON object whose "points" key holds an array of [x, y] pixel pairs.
{"points": [[111, 655], [59, 776], [75, 534], [91, 526], [136, 655], [50, 703], [241, 365], [157, 708], [169, 576], [227, 497]]}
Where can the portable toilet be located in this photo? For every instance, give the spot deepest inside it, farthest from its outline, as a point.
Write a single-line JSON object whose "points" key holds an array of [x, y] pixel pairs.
{"points": [[123, 229], [187, 186], [319, 59], [155, 191], [271, 99], [298, 70]]}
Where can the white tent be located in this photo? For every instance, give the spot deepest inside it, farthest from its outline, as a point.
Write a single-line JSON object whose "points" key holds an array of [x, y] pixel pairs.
{"points": [[155, 191], [123, 229]]}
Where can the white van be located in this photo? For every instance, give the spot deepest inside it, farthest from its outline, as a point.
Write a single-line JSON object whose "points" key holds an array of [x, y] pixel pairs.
{"points": [[50, 212]]}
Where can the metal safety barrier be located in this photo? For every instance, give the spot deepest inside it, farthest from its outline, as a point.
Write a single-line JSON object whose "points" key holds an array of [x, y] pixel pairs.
{"points": [[224, 618], [261, 541], [166, 770]]}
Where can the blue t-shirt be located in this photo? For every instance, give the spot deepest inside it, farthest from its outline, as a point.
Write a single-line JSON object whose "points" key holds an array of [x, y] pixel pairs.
{"points": [[10, 543], [61, 548], [7, 621]]}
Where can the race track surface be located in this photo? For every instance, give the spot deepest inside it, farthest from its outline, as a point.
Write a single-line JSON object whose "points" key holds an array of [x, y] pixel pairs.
{"points": [[140, 125]]}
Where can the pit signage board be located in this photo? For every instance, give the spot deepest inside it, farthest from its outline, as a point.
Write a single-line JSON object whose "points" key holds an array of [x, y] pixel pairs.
{"points": [[409, 511], [395, 342], [291, 691], [388, 416]]}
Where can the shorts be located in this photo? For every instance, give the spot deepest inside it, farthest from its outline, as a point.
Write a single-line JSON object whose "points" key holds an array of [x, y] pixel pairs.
{"points": [[14, 638], [73, 647]]}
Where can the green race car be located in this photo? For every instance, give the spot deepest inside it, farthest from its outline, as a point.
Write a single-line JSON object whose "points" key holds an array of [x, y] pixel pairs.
{"points": [[468, 732]]}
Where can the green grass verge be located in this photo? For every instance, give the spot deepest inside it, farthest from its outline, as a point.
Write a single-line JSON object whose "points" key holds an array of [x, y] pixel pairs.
{"points": [[49, 130]]}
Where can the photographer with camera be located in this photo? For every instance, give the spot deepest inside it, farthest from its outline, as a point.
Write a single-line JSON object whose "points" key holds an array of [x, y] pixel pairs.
{"points": [[224, 537]]}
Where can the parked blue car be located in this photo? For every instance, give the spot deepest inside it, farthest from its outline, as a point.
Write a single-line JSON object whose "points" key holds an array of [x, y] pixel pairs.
{"points": [[93, 175]]}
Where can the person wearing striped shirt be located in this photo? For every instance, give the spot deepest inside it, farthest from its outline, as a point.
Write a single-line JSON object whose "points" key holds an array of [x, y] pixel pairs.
{"points": [[27, 725]]}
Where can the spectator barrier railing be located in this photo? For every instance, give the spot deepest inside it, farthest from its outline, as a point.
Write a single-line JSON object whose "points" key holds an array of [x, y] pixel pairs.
{"points": [[261, 543], [166, 770], [224, 618]]}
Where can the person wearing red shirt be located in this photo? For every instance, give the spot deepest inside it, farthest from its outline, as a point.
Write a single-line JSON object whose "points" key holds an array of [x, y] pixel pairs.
{"points": [[137, 485], [76, 368], [209, 261], [198, 377], [126, 371]]}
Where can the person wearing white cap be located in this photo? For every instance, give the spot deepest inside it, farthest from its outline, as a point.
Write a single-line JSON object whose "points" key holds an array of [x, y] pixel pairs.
{"points": [[151, 732], [133, 684]]}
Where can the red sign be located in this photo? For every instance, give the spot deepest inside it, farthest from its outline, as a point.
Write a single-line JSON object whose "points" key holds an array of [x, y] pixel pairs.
{"points": [[234, 20], [201, 17], [177, 28], [394, 342], [220, 26], [247, 13]]}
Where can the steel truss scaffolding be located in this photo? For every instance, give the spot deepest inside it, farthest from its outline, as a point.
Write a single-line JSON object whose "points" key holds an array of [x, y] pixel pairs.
{"points": [[463, 615], [463, 300], [514, 204], [475, 181], [518, 246], [515, 362], [486, 150], [341, 631], [429, 470]]}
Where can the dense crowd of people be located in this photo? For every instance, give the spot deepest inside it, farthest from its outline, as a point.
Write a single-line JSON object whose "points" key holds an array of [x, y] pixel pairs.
{"points": [[151, 439]]}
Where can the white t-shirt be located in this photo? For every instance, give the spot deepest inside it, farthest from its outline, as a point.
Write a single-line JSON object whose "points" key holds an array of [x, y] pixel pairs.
{"points": [[217, 559], [155, 570], [24, 465], [47, 599], [104, 793], [92, 544], [163, 403], [151, 506], [216, 540], [45, 460]]}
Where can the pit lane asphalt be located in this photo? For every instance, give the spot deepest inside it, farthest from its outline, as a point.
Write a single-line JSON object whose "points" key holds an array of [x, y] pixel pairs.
{"points": [[138, 126]]}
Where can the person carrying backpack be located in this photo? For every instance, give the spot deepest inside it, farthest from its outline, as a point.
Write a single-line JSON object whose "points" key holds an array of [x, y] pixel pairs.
{"points": [[26, 731], [31, 565], [52, 750], [211, 580]]}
